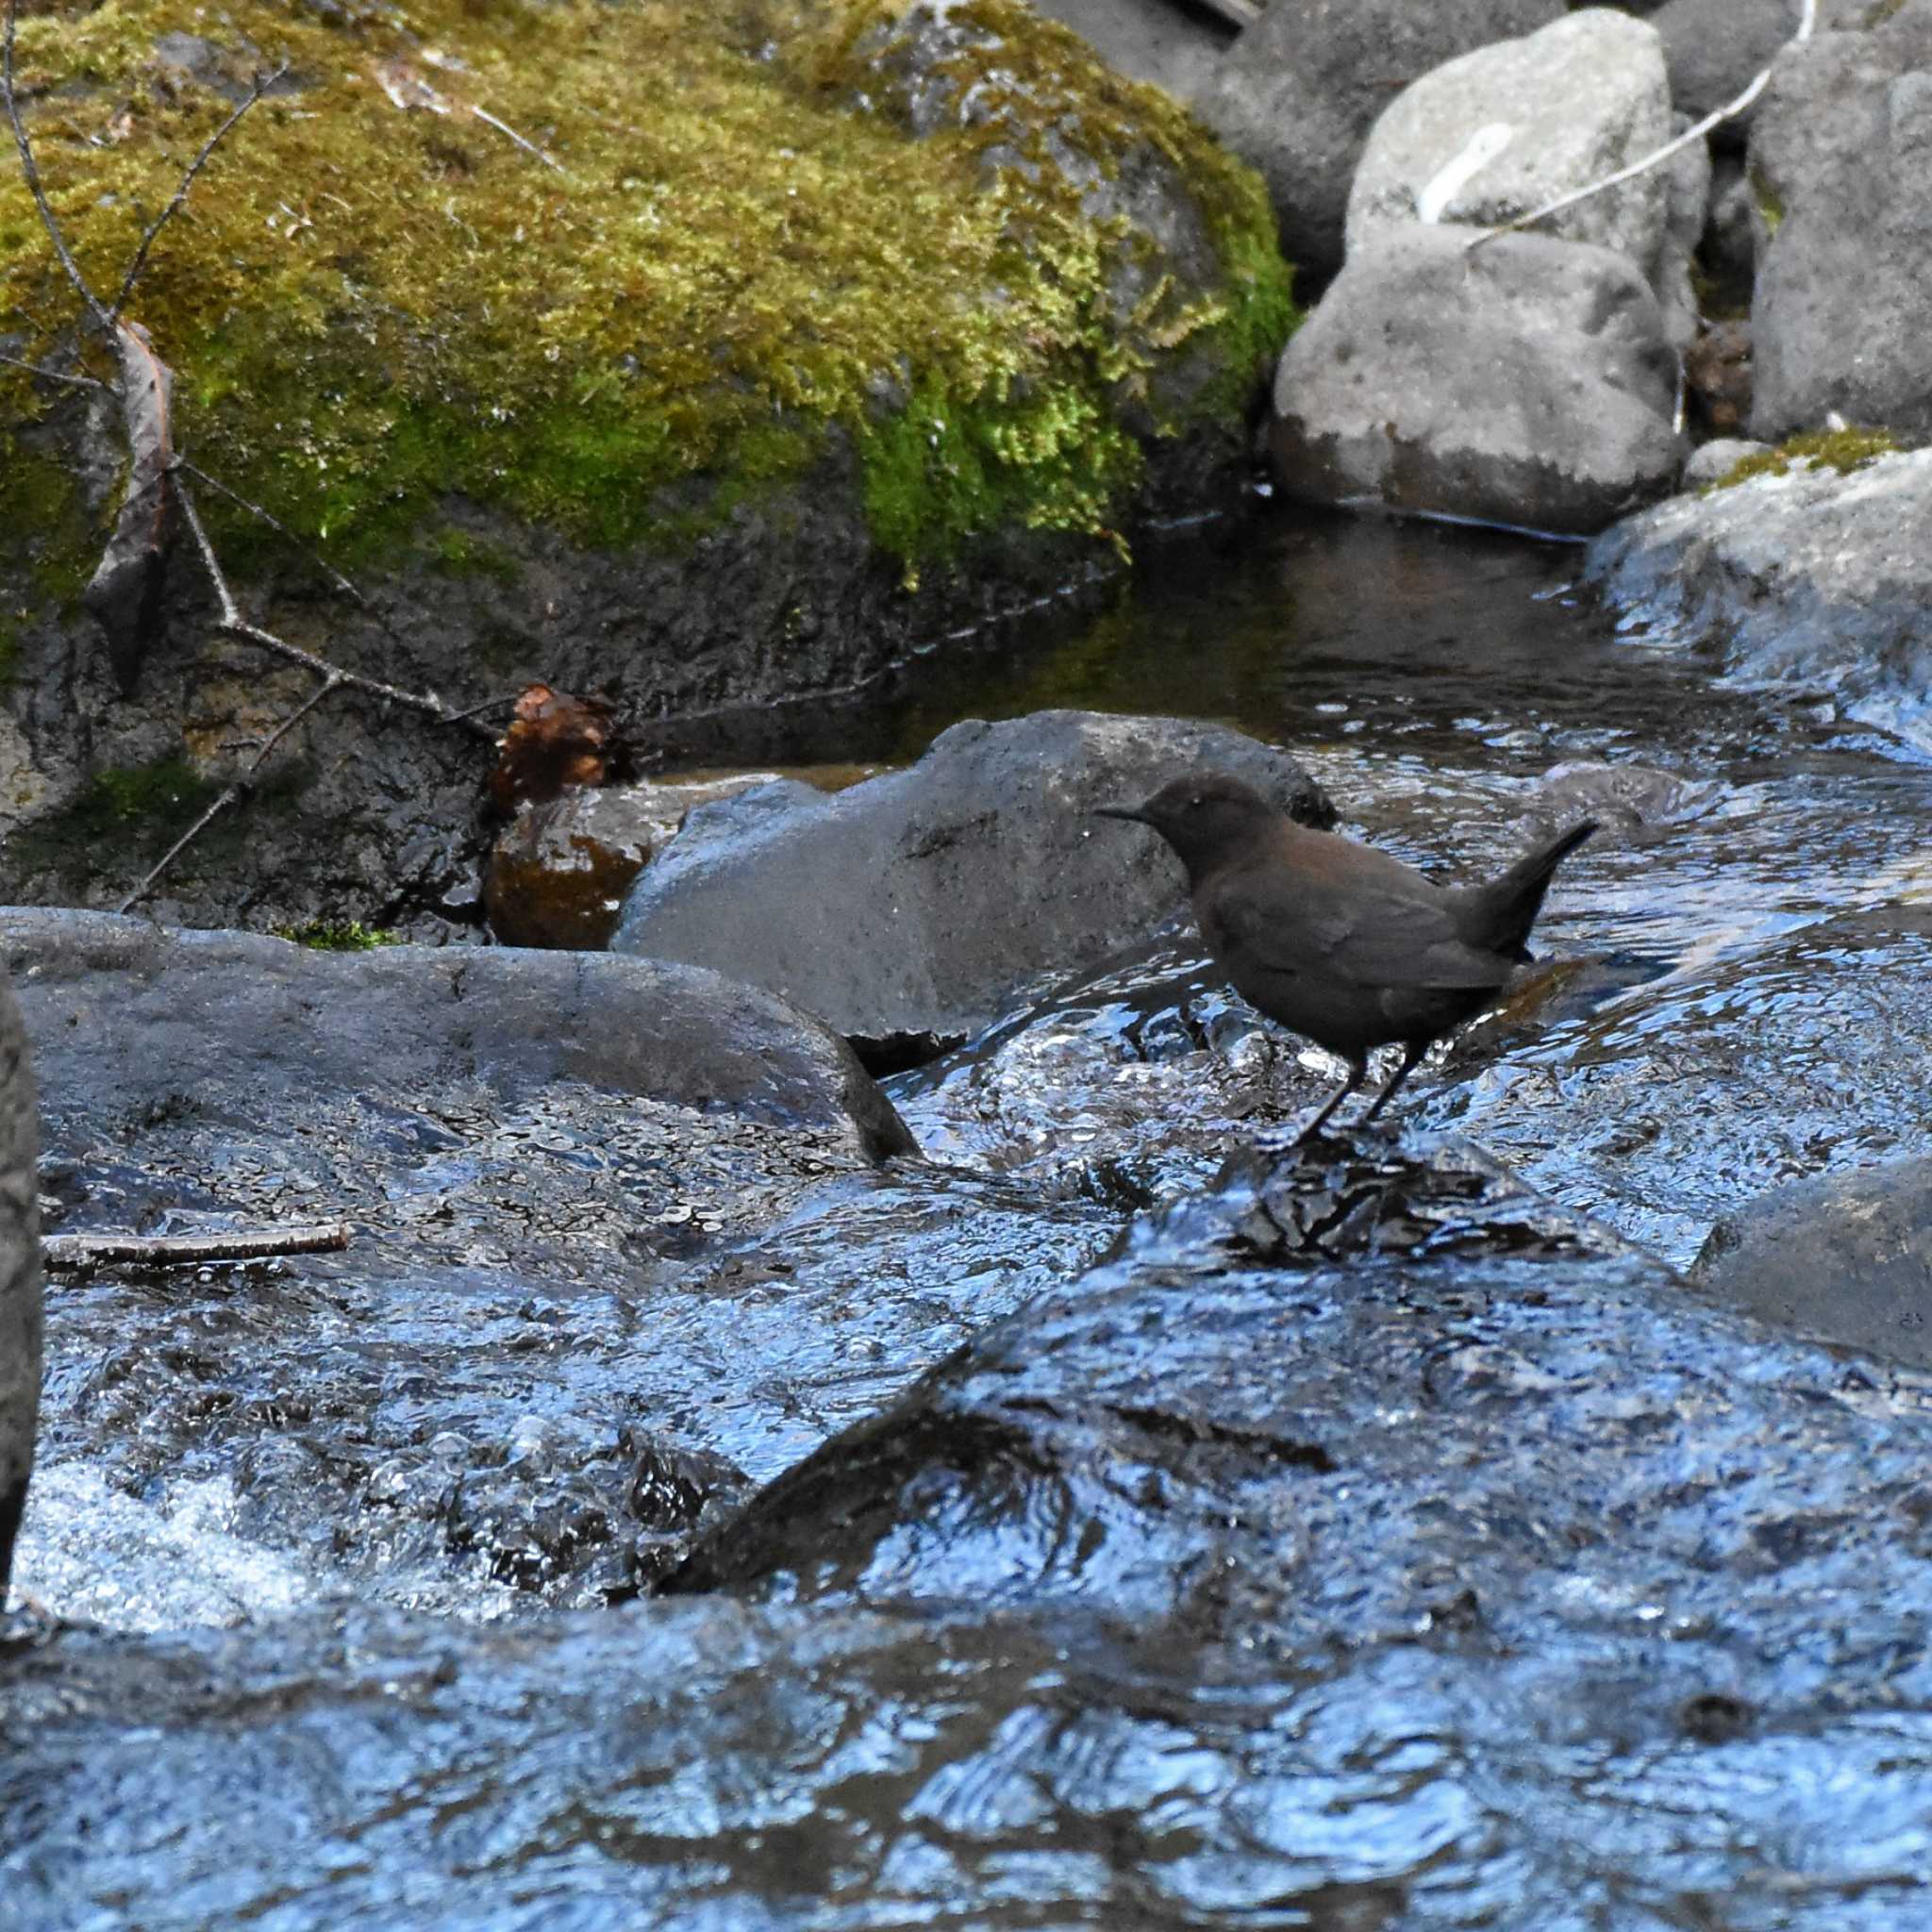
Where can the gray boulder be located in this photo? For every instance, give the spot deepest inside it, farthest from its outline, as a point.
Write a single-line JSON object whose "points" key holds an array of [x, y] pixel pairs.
{"points": [[135, 1022], [1298, 93], [918, 902], [1845, 1258], [1529, 382], [1500, 131], [1713, 47], [20, 1278], [1818, 582], [1841, 166]]}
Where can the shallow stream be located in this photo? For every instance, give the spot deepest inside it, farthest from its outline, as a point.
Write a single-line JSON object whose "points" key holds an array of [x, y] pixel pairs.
{"points": [[1113, 1520]]}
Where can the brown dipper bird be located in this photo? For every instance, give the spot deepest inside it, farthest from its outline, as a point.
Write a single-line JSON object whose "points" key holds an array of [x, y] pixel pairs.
{"points": [[1337, 940]]}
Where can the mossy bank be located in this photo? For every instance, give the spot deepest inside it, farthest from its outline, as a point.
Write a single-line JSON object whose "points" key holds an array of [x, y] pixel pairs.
{"points": [[704, 354]]}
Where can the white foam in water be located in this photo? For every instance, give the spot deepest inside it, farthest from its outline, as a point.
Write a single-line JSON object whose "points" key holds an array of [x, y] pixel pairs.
{"points": [[91, 1553]]}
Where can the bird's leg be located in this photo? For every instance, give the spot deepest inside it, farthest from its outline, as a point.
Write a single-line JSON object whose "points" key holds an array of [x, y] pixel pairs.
{"points": [[1358, 1073], [1411, 1058]]}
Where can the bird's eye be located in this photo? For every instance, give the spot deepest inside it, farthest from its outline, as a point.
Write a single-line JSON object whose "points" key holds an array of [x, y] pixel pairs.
{"points": [[1195, 803]]}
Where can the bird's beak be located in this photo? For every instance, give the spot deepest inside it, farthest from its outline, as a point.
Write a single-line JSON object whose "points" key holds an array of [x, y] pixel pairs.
{"points": [[1131, 813]]}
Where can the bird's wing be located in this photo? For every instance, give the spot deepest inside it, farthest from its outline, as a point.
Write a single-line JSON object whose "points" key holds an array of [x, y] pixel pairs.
{"points": [[1369, 939]]}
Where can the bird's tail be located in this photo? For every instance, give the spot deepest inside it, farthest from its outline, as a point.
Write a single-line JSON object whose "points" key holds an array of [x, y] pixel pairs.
{"points": [[1501, 912]]}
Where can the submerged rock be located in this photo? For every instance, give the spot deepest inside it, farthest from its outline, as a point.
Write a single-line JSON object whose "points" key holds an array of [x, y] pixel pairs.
{"points": [[915, 904], [1529, 383], [1367, 1537], [1665, 1110], [20, 1277], [1846, 1258], [1817, 583]]}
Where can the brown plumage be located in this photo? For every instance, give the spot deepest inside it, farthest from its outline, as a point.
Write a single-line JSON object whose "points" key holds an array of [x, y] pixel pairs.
{"points": [[1339, 942]]}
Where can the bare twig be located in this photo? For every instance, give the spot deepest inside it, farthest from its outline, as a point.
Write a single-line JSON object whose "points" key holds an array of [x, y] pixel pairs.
{"points": [[31, 174], [236, 788], [332, 678], [488, 704], [187, 182], [55, 376], [77, 1253], [274, 523], [237, 626], [528, 147], [1730, 111]]}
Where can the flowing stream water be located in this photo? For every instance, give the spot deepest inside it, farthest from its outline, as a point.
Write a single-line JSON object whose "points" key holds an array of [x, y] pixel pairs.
{"points": [[1112, 1519]]}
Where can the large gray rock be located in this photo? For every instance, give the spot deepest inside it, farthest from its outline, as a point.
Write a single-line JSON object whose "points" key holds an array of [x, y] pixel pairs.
{"points": [[1298, 93], [1845, 1258], [1501, 131], [1817, 582], [19, 1278], [916, 903], [136, 1022], [1841, 166], [1527, 383]]}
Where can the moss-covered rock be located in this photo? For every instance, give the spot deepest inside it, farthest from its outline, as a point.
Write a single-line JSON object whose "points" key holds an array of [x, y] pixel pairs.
{"points": [[704, 353]]}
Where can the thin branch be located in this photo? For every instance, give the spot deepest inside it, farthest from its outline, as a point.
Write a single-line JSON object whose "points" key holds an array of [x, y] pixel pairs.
{"points": [[255, 510], [236, 625], [187, 182], [32, 174], [528, 147], [55, 376], [1729, 112], [236, 788], [495, 704], [77, 1253], [333, 679]]}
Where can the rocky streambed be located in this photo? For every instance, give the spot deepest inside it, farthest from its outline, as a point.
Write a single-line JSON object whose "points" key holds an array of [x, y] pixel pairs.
{"points": [[684, 1504]]}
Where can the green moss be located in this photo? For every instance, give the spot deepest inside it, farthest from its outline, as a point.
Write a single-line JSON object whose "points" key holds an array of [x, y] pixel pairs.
{"points": [[1771, 205], [41, 512], [373, 310], [459, 553], [338, 936], [1844, 450], [163, 796]]}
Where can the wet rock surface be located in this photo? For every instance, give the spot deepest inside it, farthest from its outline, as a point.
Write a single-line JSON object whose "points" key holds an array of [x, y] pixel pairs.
{"points": [[528, 1147], [1814, 582], [1528, 384], [20, 1277], [1453, 1570], [914, 906], [559, 870], [1175, 1532], [1846, 1257], [1803, 1052]]}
